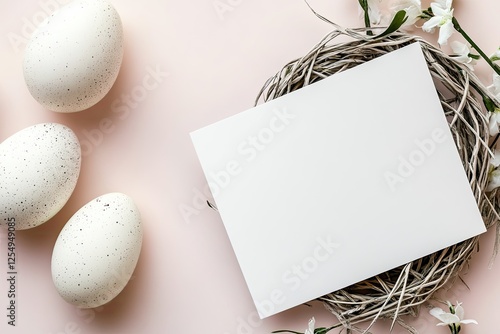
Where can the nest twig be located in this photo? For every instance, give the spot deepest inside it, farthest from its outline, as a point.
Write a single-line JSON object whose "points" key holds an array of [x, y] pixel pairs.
{"points": [[401, 291]]}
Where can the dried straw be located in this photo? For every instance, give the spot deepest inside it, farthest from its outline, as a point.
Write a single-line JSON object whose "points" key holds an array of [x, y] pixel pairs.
{"points": [[401, 291]]}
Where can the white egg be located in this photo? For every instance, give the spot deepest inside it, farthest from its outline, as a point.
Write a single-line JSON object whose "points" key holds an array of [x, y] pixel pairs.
{"points": [[73, 58], [39, 168], [97, 251]]}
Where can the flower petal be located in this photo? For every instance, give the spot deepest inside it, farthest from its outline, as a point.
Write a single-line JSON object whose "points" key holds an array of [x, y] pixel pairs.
{"points": [[459, 48], [459, 311], [496, 159], [437, 8], [469, 321], [493, 125], [432, 23], [496, 83], [445, 32], [461, 53], [413, 9], [442, 324], [310, 329], [494, 181], [437, 312], [449, 318], [441, 3]]}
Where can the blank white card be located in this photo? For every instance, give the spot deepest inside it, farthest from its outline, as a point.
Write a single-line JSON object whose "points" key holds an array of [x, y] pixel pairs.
{"points": [[338, 181]]}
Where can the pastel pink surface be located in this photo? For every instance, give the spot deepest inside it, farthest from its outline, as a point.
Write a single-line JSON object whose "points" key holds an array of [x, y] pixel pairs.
{"points": [[207, 65]]}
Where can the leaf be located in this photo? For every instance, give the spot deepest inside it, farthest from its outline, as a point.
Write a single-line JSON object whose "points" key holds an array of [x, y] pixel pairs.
{"points": [[489, 104], [287, 331], [396, 23]]}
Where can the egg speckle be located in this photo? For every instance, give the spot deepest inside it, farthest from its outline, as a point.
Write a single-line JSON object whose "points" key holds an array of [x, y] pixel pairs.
{"points": [[97, 251], [39, 168], [73, 58]]}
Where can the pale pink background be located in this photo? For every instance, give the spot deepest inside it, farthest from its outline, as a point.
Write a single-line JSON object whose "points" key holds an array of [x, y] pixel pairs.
{"points": [[187, 279]]}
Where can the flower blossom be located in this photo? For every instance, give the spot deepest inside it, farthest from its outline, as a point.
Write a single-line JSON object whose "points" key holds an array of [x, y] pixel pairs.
{"points": [[413, 9], [443, 15], [453, 319], [494, 117], [495, 86], [462, 54], [495, 162], [494, 122], [494, 174], [310, 328]]}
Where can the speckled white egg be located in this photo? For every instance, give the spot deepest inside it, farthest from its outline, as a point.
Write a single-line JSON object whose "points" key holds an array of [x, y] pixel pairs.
{"points": [[97, 251], [73, 58], [39, 169]]}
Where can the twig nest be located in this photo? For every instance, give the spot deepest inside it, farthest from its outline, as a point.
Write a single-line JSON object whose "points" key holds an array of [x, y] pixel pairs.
{"points": [[401, 291]]}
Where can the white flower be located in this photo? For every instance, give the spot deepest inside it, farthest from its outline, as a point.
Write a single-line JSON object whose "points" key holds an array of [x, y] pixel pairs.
{"points": [[494, 122], [413, 9], [443, 15], [442, 3], [462, 54], [494, 174], [453, 319], [495, 86], [493, 180], [310, 329], [495, 161]]}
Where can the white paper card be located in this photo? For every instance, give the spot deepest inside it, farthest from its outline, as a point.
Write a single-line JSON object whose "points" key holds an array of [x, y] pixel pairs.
{"points": [[338, 181]]}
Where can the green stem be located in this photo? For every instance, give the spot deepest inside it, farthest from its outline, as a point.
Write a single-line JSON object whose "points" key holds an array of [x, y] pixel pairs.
{"points": [[365, 7], [367, 23], [458, 28]]}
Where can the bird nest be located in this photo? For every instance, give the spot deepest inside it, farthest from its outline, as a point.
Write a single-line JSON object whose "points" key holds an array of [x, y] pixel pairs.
{"points": [[401, 291]]}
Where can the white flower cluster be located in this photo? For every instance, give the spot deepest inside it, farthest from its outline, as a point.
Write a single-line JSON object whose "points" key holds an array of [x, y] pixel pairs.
{"points": [[495, 115], [440, 16], [443, 15]]}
